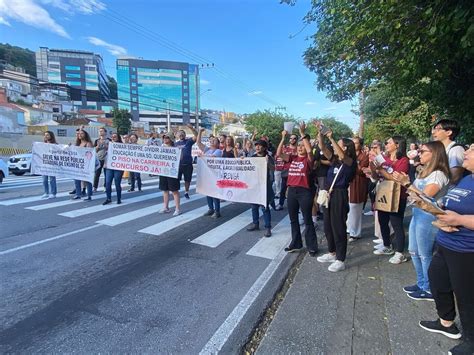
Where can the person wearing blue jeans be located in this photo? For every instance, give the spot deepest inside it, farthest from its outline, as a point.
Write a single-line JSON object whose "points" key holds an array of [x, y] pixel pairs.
{"points": [[432, 182], [115, 175], [135, 177], [77, 184], [214, 205], [422, 237], [52, 181]]}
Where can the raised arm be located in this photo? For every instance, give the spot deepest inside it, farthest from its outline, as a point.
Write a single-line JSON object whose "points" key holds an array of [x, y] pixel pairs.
{"points": [[326, 152], [195, 133], [279, 153], [339, 151], [198, 140], [305, 140]]}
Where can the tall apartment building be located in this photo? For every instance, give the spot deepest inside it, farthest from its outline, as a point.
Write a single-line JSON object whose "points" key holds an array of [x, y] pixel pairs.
{"points": [[83, 71], [151, 90]]}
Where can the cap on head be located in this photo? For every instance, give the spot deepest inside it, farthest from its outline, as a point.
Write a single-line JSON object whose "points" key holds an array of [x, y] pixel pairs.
{"points": [[262, 142]]}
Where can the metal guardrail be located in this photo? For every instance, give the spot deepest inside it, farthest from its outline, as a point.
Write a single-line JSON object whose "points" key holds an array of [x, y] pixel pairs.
{"points": [[13, 151]]}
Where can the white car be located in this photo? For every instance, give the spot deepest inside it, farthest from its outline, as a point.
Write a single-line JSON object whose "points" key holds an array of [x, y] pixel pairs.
{"points": [[19, 164], [3, 170]]}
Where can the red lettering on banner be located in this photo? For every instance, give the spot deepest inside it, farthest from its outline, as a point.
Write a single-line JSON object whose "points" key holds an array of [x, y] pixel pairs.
{"points": [[222, 184]]}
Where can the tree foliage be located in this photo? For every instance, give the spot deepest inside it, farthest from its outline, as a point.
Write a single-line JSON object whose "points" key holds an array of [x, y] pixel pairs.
{"points": [[19, 57], [423, 50], [268, 123], [121, 120], [339, 129]]}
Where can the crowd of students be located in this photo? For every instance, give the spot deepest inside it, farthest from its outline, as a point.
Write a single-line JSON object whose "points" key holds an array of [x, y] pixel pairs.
{"points": [[333, 180]]}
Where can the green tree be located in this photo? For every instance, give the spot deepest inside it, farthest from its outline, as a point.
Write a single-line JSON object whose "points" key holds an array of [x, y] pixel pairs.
{"points": [[339, 129], [424, 50], [121, 120], [268, 123], [19, 57], [112, 84]]}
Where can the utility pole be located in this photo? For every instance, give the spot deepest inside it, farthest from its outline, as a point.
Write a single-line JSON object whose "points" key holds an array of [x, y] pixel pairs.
{"points": [[197, 100], [361, 113], [168, 119]]}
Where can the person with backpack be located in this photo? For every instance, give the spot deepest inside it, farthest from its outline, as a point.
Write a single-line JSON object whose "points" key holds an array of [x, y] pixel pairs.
{"points": [[446, 131]]}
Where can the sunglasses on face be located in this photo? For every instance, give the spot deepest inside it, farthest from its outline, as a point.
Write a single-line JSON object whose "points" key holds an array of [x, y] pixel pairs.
{"points": [[424, 151]]}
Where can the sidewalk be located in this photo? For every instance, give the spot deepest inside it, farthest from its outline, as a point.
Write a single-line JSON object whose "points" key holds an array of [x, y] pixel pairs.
{"points": [[362, 310]]}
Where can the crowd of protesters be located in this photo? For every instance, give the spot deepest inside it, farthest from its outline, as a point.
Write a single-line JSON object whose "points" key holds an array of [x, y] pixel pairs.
{"points": [[335, 180]]}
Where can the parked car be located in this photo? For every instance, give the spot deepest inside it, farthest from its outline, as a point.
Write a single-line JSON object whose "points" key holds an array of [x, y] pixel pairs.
{"points": [[19, 164], [3, 170]]}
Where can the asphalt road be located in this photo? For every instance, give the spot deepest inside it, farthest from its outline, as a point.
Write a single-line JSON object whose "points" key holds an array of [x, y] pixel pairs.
{"points": [[82, 277]]}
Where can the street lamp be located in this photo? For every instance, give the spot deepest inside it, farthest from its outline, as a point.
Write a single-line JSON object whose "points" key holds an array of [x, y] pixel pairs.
{"points": [[197, 105]]}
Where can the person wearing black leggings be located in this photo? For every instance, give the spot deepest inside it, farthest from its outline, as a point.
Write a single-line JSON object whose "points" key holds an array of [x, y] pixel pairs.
{"points": [[340, 174], [300, 195]]}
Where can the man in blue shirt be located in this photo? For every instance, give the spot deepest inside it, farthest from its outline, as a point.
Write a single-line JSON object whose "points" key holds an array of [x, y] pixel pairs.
{"points": [[186, 162]]}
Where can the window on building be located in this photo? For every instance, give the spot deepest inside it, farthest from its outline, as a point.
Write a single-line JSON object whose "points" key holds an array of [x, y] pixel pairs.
{"points": [[134, 99], [73, 75], [134, 92], [134, 69], [73, 83], [53, 66], [134, 107], [185, 94], [185, 80], [55, 109], [185, 87], [61, 132], [134, 84], [72, 67], [133, 76]]}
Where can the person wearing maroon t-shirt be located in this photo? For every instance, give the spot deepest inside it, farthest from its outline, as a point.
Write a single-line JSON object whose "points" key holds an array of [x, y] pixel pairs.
{"points": [[342, 170], [395, 160], [282, 168], [299, 193]]}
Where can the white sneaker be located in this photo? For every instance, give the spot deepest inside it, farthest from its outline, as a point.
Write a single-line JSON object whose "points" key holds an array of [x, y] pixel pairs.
{"points": [[326, 258], [369, 213], [176, 213], [51, 196], [44, 196], [384, 251], [337, 266], [378, 241], [379, 246], [164, 210], [398, 258]]}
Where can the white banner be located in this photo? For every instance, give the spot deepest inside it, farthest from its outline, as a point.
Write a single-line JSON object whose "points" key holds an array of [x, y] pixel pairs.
{"points": [[233, 179], [148, 159], [63, 161]]}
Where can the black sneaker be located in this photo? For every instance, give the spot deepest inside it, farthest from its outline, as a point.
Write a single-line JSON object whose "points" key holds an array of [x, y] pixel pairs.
{"points": [[292, 249], [216, 215], [268, 232], [421, 296], [313, 253], [253, 227], [73, 192], [106, 202], [462, 349], [76, 198], [436, 327], [209, 213], [411, 289], [186, 195]]}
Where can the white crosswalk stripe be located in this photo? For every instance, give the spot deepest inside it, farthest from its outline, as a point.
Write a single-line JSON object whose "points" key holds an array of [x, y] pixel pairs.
{"points": [[269, 248], [169, 224], [142, 212], [220, 234]]}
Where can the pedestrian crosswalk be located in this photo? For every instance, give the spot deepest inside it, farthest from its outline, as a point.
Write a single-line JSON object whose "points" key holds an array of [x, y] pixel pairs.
{"points": [[143, 208]]}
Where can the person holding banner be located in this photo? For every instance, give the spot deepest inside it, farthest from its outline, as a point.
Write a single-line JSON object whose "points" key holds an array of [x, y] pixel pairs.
{"points": [[261, 147], [230, 151], [300, 195], [394, 160], [115, 175], [211, 151], [51, 139], [133, 175], [186, 162], [168, 184], [84, 140], [101, 145], [340, 174]]}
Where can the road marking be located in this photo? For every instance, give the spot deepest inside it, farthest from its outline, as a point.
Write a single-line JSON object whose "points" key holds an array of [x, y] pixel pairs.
{"points": [[220, 337], [8, 251], [220, 234], [269, 248], [142, 212], [169, 224], [46, 206]]}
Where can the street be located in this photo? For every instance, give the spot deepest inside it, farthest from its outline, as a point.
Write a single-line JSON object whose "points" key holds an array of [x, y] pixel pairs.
{"points": [[79, 276]]}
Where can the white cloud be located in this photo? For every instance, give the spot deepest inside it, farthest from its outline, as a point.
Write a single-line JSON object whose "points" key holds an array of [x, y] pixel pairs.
{"points": [[204, 82], [4, 22], [111, 48], [255, 92], [310, 103], [87, 7], [332, 108], [30, 13]]}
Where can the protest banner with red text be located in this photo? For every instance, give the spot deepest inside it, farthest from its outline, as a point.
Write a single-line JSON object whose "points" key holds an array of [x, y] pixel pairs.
{"points": [[148, 159], [233, 179], [63, 161]]}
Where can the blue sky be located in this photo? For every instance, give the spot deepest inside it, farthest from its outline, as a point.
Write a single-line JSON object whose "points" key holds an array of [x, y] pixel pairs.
{"points": [[257, 64]]}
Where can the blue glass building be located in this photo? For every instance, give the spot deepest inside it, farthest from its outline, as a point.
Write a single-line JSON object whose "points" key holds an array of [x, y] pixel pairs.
{"points": [[150, 89]]}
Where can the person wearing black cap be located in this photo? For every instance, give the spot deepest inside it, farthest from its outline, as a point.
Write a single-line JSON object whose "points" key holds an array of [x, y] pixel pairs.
{"points": [[300, 195], [261, 147]]}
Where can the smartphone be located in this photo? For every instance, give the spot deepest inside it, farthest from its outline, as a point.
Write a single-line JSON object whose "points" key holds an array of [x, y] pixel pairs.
{"points": [[324, 130]]}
